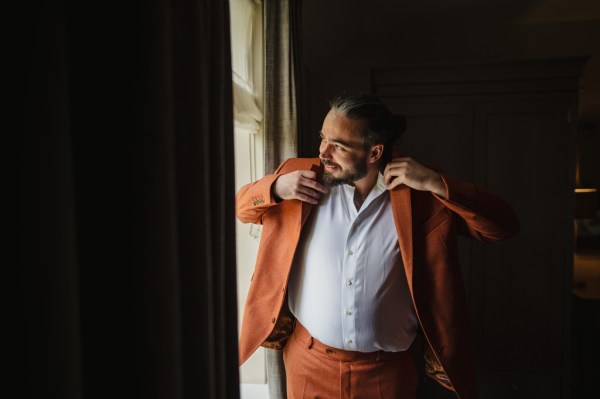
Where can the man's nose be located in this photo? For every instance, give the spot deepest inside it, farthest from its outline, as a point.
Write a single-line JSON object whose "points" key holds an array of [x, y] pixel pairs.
{"points": [[324, 151]]}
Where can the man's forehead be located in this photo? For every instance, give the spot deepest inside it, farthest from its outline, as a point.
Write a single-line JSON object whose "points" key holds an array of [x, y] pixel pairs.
{"points": [[340, 126]]}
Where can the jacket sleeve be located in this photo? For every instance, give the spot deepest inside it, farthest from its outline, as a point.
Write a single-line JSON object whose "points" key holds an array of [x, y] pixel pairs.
{"points": [[254, 199], [483, 215]]}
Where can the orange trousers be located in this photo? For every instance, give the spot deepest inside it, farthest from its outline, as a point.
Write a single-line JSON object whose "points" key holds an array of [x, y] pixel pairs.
{"points": [[314, 370]]}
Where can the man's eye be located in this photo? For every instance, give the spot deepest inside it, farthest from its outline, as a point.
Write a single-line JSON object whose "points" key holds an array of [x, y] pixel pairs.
{"points": [[339, 147]]}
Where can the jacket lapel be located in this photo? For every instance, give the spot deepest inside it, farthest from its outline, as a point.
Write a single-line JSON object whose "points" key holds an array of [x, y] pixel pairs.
{"points": [[402, 211], [306, 207]]}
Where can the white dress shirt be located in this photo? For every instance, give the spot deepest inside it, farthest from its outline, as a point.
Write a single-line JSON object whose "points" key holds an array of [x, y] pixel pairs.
{"points": [[348, 286]]}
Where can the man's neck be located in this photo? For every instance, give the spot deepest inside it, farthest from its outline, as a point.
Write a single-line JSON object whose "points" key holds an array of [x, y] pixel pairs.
{"points": [[363, 187]]}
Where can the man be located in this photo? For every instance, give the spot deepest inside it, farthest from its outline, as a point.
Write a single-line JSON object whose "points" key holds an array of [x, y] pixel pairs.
{"points": [[357, 256]]}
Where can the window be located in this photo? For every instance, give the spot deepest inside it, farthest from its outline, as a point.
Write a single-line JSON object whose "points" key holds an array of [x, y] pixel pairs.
{"points": [[247, 63]]}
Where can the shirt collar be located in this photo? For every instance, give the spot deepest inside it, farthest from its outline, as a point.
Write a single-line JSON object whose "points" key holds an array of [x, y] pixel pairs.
{"points": [[378, 189]]}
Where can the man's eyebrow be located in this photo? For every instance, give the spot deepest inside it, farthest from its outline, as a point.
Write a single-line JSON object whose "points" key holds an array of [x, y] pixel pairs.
{"points": [[342, 142]]}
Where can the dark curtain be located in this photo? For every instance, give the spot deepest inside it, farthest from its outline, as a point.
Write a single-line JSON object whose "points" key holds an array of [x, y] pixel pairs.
{"points": [[283, 81], [127, 252]]}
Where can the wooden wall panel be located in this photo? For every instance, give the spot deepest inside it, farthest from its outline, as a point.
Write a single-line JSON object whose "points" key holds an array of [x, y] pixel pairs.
{"points": [[524, 155], [508, 127]]}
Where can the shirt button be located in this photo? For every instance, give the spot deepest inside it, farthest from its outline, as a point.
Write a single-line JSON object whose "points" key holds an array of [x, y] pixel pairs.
{"points": [[349, 341], [348, 282], [350, 252], [348, 313]]}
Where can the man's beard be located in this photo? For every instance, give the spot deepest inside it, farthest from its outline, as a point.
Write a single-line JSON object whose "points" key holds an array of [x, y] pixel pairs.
{"points": [[348, 177]]}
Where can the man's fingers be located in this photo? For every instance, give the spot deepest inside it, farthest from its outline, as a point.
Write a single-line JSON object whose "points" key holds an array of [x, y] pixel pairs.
{"points": [[305, 192], [310, 180], [414, 175], [306, 198], [309, 174], [392, 172], [313, 184], [301, 185], [395, 182]]}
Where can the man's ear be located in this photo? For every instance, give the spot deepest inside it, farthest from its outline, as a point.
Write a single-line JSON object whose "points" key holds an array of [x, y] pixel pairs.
{"points": [[376, 153]]}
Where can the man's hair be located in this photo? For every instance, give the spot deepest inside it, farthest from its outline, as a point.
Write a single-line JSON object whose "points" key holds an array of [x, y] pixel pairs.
{"points": [[381, 126]]}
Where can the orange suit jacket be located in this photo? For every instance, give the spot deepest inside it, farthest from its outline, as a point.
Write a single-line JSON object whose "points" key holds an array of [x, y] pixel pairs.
{"points": [[427, 227]]}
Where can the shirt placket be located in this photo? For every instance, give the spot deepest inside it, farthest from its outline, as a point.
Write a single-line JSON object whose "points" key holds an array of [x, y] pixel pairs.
{"points": [[349, 289]]}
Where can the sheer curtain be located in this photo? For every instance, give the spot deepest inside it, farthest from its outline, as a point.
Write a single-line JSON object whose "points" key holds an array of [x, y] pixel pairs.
{"points": [[127, 252], [282, 118], [282, 121], [247, 113]]}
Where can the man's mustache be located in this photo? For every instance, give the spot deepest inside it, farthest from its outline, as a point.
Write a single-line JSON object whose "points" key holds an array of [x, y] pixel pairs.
{"points": [[329, 163]]}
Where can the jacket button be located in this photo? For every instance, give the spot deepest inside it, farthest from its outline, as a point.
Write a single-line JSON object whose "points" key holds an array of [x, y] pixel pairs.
{"points": [[272, 320]]}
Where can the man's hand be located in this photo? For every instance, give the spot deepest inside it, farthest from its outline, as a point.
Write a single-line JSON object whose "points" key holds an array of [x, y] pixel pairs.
{"points": [[414, 175], [301, 185]]}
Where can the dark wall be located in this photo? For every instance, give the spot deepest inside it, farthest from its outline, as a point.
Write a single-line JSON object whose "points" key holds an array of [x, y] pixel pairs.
{"points": [[342, 41]]}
